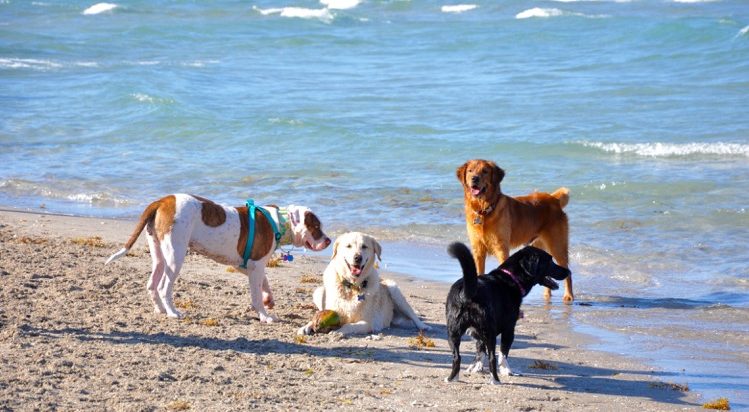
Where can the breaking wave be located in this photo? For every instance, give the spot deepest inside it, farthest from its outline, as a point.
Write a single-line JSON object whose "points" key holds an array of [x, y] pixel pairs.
{"points": [[658, 149]]}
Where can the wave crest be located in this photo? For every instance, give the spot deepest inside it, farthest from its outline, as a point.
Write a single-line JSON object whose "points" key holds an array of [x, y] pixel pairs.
{"points": [[323, 14], [340, 4], [458, 8], [99, 8], [539, 12], [658, 149]]}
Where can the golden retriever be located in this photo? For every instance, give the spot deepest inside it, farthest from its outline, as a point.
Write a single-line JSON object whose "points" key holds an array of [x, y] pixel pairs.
{"points": [[352, 287], [497, 222]]}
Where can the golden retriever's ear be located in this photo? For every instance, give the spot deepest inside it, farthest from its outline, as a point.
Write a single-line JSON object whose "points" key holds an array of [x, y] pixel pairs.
{"points": [[335, 248], [497, 175], [461, 173]]}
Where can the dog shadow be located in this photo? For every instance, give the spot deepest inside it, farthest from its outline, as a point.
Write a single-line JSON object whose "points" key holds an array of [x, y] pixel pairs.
{"points": [[563, 377], [401, 354], [568, 377]]}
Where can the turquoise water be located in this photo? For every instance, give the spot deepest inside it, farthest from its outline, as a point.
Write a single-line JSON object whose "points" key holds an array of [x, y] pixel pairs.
{"points": [[363, 111]]}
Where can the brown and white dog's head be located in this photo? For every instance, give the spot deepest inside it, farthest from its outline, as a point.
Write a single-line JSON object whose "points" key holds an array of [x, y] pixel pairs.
{"points": [[306, 229], [355, 254], [480, 178]]}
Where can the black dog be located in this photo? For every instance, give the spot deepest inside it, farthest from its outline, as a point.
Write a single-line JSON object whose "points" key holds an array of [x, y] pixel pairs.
{"points": [[490, 304]]}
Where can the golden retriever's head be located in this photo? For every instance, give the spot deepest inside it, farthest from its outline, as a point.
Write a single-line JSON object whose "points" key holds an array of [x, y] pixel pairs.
{"points": [[355, 253], [480, 178]]}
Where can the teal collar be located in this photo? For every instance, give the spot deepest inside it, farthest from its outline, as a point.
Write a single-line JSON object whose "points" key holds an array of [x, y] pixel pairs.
{"points": [[251, 208]]}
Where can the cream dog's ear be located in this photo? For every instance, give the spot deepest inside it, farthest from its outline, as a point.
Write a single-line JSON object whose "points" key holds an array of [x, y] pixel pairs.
{"points": [[335, 247], [377, 249]]}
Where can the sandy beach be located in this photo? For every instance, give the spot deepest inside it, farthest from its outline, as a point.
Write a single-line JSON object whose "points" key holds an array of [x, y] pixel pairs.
{"points": [[78, 335]]}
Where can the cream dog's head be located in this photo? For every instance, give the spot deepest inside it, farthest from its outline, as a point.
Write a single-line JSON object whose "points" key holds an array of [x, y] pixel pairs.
{"points": [[355, 254]]}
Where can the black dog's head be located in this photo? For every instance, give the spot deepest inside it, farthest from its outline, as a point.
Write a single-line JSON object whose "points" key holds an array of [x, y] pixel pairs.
{"points": [[537, 267]]}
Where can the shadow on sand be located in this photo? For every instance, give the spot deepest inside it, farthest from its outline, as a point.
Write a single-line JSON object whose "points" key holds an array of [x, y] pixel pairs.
{"points": [[565, 377]]}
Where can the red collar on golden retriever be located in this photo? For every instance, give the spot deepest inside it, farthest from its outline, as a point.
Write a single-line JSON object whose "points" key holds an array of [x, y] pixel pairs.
{"points": [[496, 222]]}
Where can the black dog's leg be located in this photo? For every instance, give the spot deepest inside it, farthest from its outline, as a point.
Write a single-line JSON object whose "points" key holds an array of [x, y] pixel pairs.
{"points": [[454, 340], [491, 347], [478, 362], [508, 336]]}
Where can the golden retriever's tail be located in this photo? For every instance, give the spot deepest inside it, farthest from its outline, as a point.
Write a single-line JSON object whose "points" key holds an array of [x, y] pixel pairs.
{"points": [[470, 277], [146, 217], [563, 194]]}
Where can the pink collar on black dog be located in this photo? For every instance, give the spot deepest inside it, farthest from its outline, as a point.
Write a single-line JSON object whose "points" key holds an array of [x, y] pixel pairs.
{"points": [[517, 281]]}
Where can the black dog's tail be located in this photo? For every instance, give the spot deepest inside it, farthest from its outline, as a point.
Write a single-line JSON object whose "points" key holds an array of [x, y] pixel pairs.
{"points": [[470, 278]]}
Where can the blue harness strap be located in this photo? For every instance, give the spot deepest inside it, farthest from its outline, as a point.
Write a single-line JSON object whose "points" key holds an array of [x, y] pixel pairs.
{"points": [[251, 229]]}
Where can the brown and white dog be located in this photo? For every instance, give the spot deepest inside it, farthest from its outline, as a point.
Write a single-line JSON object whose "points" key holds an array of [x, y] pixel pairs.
{"points": [[177, 222], [496, 222], [353, 288]]}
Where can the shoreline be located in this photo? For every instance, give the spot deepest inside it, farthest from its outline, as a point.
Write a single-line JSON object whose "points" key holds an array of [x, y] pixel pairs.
{"points": [[62, 338]]}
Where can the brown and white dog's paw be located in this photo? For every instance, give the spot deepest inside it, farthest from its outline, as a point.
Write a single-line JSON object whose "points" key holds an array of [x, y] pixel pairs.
{"points": [[268, 319], [174, 314]]}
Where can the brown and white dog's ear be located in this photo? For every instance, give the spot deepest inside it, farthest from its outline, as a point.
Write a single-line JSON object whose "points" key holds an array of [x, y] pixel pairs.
{"points": [[294, 215], [461, 173], [497, 174]]}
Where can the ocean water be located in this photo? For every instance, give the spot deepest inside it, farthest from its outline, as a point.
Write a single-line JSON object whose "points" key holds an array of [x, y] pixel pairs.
{"points": [[363, 110]]}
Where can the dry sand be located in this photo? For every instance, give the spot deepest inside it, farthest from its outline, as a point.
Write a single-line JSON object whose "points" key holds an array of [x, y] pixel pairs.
{"points": [[78, 335]]}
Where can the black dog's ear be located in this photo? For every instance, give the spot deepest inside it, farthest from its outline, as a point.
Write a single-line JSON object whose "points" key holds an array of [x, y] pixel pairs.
{"points": [[497, 175], [461, 173], [529, 264]]}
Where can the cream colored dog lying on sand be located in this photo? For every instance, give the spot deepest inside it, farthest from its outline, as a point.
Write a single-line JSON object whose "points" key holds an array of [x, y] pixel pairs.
{"points": [[353, 288]]}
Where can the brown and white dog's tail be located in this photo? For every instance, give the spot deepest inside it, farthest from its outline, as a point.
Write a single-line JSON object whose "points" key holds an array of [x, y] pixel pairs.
{"points": [[563, 194], [146, 217]]}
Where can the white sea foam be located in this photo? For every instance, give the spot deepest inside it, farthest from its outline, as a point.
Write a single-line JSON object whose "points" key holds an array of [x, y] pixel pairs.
{"points": [[694, 1], [266, 12], [323, 14], [458, 8], [99, 8], [539, 12], [340, 4], [598, 1], [141, 97], [743, 32], [199, 63], [37, 64], [144, 98], [658, 149]]}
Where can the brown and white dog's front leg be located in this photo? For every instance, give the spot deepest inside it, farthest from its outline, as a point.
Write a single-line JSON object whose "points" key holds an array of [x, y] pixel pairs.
{"points": [[256, 275], [268, 301]]}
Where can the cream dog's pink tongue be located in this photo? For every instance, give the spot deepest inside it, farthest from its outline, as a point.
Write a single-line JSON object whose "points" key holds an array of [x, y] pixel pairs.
{"points": [[355, 270]]}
